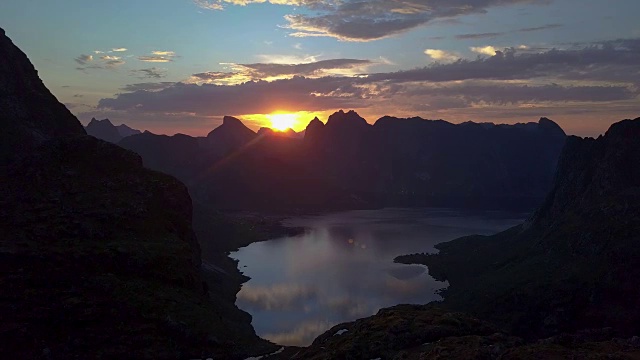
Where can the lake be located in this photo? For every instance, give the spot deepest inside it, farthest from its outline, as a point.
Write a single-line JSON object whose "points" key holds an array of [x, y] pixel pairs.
{"points": [[342, 268]]}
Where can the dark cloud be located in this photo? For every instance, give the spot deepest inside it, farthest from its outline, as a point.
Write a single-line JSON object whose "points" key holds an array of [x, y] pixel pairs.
{"points": [[479, 36], [544, 27], [603, 59], [149, 73], [83, 59], [252, 97], [148, 86], [592, 74], [357, 20], [261, 70]]}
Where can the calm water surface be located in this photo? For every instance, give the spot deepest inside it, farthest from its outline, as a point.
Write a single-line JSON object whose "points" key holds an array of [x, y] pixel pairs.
{"points": [[342, 268]]}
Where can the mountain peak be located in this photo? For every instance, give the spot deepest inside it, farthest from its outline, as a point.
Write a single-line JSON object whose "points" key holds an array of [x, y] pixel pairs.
{"points": [[230, 120], [351, 117], [551, 126], [29, 113]]}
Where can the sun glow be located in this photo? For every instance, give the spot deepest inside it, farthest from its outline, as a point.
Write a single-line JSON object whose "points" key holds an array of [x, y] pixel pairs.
{"points": [[282, 122]]}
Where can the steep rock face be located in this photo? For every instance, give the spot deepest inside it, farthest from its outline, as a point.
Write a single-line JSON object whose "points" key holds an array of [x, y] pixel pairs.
{"points": [[573, 264], [103, 129], [98, 258], [27, 107]]}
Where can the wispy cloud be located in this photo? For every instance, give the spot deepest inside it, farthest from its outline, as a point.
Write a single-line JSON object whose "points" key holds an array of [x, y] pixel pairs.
{"points": [[442, 55], [158, 56], [149, 73], [84, 59]]}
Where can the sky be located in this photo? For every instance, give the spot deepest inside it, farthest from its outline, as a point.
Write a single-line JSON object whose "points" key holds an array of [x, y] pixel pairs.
{"points": [[179, 66]]}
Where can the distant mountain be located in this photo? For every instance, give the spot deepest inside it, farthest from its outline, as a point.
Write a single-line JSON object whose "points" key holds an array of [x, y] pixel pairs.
{"points": [[98, 258], [27, 107], [573, 264], [395, 162], [228, 137], [105, 130], [125, 131], [265, 131], [409, 162], [179, 155]]}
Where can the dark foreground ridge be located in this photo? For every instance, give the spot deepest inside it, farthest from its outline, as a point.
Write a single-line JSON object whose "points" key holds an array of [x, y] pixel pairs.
{"points": [[98, 258]]}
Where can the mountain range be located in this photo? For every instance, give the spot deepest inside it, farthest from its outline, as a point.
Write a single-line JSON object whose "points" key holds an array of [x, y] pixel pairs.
{"points": [[105, 130], [349, 163]]}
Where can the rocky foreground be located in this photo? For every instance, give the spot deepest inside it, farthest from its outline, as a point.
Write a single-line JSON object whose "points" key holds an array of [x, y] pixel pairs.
{"points": [[98, 258]]}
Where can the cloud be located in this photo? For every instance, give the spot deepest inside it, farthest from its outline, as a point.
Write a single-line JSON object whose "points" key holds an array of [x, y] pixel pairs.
{"points": [[587, 76], [606, 60], [209, 5], [272, 71], [538, 28], [84, 59], [112, 61], [158, 56], [148, 86], [357, 20], [484, 50], [253, 97], [496, 34], [441, 55], [149, 73], [121, 49], [479, 36]]}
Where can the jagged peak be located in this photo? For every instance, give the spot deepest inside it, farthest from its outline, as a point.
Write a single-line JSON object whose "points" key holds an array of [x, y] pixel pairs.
{"points": [[349, 117], [104, 121]]}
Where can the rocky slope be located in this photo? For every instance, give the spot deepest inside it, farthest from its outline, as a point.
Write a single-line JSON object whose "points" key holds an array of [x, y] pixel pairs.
{"points": [[104, 130], [417, 332], [573, 265], [27, 107], [98, 258]]}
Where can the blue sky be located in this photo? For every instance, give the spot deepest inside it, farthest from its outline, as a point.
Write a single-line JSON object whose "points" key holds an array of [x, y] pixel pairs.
{"points": [[341, 45]]}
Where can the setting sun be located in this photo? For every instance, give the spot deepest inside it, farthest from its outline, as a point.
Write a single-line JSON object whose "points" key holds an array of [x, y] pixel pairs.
{"points": [[282, 122]]}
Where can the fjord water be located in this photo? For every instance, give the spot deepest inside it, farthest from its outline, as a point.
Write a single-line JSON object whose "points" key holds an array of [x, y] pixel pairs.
{"points": [[342, 269]]}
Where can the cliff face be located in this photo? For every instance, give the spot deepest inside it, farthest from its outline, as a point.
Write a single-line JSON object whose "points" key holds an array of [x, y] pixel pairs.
{"points": [[29, 113], [98, 258], [573, 265]]}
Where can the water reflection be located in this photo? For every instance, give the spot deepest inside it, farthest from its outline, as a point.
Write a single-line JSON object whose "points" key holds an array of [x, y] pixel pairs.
{"points": [[341, 269]]}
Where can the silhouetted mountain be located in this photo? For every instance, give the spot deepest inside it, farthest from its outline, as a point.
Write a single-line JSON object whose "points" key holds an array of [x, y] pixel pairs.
{"points": [[179, 155], [228, 137], [98, 258], [264, 131], [27, 106], [395, 162], [103, 129], [423, 162], [125, 130], [573, 264]]}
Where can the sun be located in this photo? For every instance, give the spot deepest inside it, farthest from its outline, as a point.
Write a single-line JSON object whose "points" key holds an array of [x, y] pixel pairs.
{"points": [[282, 122]]}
